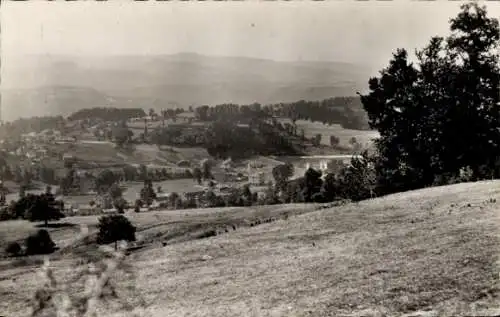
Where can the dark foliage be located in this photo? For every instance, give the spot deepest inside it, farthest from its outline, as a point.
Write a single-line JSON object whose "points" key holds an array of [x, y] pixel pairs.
{"points": [[346, 111], [312, 186], [137, 205], [225, 139], [41, 207], [197, 175], [354, 182], [178, 135], [40, 243], [442, 114], [115, 228], [120, 204], [148, 193], [207, 234], [121, 135], [13, 249], [107, 114], [281, 174], [105, 181]]}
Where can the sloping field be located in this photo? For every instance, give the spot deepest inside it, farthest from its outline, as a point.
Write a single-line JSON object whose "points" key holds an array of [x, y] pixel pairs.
{"points": [[102, 152], [168, 156], [313, 128], [433, 250], [99, 152]]}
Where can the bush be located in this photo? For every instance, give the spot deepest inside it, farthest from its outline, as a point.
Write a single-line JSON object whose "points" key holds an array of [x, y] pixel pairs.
{"points": [[207, 234], [115, 228], [120, 204], [358, 182], [354, 182], [7, 213], [137, 205], [13, 249], [40, 243]]}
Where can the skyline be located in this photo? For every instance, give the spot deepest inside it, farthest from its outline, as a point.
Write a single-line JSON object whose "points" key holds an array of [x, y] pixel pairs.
{"points": [[285, 31]]}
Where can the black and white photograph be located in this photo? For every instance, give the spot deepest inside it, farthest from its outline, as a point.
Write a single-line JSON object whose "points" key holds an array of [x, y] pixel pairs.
{"points": [[249, 158]]}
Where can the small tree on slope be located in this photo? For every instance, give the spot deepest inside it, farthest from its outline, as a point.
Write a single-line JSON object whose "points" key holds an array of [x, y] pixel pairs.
{"points": [[115, 228]]}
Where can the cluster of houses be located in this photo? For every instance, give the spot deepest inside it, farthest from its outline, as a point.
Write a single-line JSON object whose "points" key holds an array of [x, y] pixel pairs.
{"points": [[47, 136], [33, 146]]}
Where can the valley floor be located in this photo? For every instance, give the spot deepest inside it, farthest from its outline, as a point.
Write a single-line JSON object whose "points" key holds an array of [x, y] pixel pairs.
{"points": [[434, 250]]}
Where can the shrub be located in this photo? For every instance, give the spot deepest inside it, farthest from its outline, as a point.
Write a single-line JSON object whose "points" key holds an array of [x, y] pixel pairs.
{"points": [[13, 249], [334, 141], [115, 228], [40, 243], [120, 204], [207, 234], [465, 174], [137, 205], [354, 182], [7, 213]]}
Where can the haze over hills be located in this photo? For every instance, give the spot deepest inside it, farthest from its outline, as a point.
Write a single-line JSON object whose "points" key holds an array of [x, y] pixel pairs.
{"points": [[49, 85]]}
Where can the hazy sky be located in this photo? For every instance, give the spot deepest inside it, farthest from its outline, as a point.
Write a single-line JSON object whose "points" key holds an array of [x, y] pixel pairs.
{"points": [[329, 31]]}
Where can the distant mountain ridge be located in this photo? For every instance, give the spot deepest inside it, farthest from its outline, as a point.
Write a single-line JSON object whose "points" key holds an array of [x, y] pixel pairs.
{"points": [[48, 85]]}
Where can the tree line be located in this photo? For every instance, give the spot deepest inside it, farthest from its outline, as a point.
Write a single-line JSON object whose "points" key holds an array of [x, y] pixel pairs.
{"points": [[346, 111], [107, 114]]}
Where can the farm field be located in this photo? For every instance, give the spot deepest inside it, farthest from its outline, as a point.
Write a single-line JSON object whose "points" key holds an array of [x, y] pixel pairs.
{"points": [[177, 185], [433, 250], [313, 128], [103, 152]]}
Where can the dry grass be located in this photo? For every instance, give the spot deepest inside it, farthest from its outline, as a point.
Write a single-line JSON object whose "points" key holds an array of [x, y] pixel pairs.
{"points": [[313, 128], [431, 249]]}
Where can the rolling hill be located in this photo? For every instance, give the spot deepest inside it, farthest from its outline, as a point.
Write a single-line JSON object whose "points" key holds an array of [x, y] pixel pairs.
{"points": [[431, 252], [39, 85]]}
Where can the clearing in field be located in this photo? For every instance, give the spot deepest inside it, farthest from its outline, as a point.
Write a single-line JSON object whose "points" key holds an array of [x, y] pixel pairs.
{"points": [[313, 128]]}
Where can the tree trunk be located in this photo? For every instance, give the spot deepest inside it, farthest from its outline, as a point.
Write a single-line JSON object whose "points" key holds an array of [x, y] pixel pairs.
{"points": [[46, 222], [116, 245]]}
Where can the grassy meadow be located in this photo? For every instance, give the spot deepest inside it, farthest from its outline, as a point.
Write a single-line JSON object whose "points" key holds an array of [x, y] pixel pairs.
{"points": [[432, 251], [313, 128]]}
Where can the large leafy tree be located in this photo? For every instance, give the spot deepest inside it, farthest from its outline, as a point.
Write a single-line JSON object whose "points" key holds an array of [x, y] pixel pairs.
{"points": [[440, 114], [105, 180], [114, 228], [41, 207], [281, 174]]}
